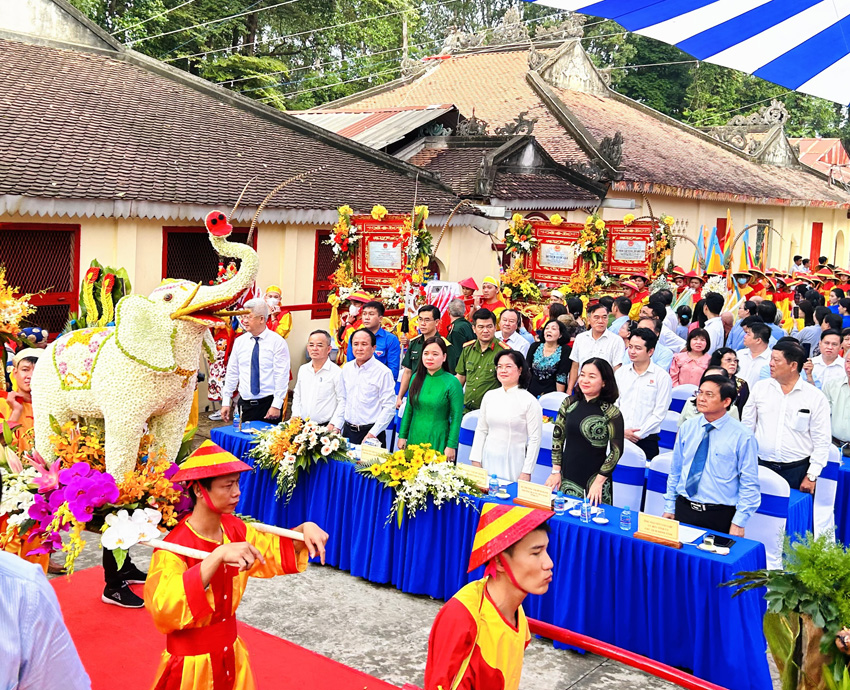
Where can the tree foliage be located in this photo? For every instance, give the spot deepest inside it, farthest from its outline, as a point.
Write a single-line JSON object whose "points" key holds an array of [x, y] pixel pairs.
{"points": [[303, 53]]}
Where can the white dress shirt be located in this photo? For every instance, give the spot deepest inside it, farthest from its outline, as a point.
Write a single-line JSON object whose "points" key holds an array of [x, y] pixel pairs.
{"points": [[750, 367], [789, 427], [670, 339], [507, 438], [716, 332], [644, 398], [609, 346], [823, 373], [368, 396], [671, 321], [274, 368], [515, 342], [318, 394]]}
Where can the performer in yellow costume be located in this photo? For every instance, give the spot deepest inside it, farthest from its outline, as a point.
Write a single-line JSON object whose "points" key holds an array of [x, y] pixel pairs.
{"points": [[193, 602], [280, 319]]}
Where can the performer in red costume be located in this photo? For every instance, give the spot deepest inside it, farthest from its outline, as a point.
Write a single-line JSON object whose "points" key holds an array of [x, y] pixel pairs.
{"points": [[479, 637]]}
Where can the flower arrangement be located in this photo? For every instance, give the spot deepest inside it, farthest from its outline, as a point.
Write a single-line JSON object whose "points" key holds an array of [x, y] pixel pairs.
{"points": [[296, 445], [662, 245], [344, 237], [13, 309], [416, 240], [378, 212], [590, 249], [519, 237], [391, 298], [122, 530], [556, 219], [149, 487], [518, 280], [628, 219], [715, 284], [418, 473]]}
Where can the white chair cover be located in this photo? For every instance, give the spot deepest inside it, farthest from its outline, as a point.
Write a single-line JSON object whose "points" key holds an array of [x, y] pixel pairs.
{"points": [[669, 429], [681, 395], [551, 403], [824, 517], [630, 478], [768, 523], [467, 433], [656, 483]]}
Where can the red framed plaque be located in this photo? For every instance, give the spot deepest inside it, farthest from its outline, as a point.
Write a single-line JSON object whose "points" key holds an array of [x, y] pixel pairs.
{"points": [[380, 251], [553, 260], [629, 247]]}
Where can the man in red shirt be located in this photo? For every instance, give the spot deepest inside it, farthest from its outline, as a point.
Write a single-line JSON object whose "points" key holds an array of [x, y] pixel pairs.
{"points": [[479, 637]]}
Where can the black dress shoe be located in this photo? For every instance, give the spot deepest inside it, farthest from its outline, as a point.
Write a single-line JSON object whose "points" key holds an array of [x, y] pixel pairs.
{"points": [[122, 596]]}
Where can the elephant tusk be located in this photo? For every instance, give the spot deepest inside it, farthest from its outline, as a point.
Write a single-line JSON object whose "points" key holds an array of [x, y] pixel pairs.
{"points": [[184, 308], [237, 312]]}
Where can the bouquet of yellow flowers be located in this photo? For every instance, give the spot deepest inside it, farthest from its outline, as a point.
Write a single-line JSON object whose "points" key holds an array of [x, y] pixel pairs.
{"points": [[522, 287], [418, 473], [662, 245], [519, 237], [344, 237]]}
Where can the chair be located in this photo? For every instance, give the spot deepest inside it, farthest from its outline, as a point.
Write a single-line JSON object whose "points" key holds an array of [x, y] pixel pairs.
{"points": [[824, 512], [551, 403], [669, 429], [543, 467], [768, 523], [467, 434], [656, 483], [630, 477], [681, 395]]}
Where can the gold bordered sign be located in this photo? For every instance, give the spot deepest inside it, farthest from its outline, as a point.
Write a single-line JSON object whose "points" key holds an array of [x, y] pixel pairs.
{"points": [[371, 454], [658, 530], [478, 475], [533, 495]]}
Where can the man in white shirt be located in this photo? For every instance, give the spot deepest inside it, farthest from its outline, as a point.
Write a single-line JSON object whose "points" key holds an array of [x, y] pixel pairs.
{"points": [[714, 324], [509, 323], [827, 366], [755, 354], [797, 266], [368, 393], [258, 369], [318, 389], [597, 342], [667, 337], [645, 393], [790, 419]]}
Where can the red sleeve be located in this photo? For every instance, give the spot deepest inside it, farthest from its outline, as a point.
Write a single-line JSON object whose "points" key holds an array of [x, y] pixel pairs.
{"points": [[195, 595], [451, 642]]}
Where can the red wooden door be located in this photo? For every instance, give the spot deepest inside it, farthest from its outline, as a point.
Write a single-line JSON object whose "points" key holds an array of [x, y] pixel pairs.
{"points": [[814, 253]]}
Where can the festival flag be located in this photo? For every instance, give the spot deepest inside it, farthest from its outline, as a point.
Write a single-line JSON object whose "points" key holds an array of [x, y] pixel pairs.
{"points": [[699, 252], [728, 239], [714, 260]]}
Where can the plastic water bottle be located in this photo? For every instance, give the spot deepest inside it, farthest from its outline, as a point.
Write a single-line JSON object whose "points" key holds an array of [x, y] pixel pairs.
{"points": [[493, 487], [560, 503], [585, 510], [237, 418], [626, 520]]}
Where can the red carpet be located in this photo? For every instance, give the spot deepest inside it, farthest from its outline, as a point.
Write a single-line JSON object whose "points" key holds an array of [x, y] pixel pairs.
{"points": [[120, 648]]}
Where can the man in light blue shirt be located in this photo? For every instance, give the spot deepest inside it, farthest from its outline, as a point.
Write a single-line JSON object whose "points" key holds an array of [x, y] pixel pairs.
{"points": [[619, 314], [388, 347], [663, 355], [713, 481], [36, 651]]}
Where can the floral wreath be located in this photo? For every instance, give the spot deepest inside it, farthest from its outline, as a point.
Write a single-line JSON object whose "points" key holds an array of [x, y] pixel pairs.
{"points": [[519, 237], [662, 245], [344, 237]]}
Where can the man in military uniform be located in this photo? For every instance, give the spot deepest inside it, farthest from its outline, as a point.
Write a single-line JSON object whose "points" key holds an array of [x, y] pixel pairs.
{"points": [[428, 317], [476, 368]]}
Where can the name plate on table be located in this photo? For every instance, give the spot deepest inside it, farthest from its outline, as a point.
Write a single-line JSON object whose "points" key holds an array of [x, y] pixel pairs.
{"points": [[477, 475], [658, 530], [369, 454], [533, 495]]}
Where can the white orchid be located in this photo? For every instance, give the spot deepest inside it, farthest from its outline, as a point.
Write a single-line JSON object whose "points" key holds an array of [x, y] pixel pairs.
{"points": [[124, 530]]}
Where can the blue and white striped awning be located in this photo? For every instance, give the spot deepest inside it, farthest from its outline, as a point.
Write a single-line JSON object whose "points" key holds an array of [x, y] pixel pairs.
{"points": [[802, 45]]}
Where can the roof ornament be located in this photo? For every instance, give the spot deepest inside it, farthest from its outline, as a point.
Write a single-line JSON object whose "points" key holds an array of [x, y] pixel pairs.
{"points": [[520, 125], [746, 132], [612, 149], [472, 127], [510, 30], [570, 26]]}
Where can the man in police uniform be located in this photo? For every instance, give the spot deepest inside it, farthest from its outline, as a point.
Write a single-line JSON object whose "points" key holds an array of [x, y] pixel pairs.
{"points": [[428, 318], [476, 368]]}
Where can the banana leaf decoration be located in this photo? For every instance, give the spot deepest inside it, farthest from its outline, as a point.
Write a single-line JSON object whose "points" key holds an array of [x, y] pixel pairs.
{"points": [[101, 290]]}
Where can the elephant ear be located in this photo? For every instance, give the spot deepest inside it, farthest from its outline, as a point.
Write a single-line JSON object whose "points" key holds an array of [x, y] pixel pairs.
{"points": [[209, 346], [145, 332]]}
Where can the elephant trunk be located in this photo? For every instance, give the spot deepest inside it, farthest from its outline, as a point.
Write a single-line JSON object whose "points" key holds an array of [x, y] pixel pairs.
{"points": [[228, 291]]}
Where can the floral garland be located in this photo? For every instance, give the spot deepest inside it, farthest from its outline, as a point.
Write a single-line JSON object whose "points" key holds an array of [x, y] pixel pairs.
{"points": [[13, 310], [590, 249], [416, 240], [344, 237], [418, 473], [518, 284], [662, 245], [519, 237], [296, 445]]}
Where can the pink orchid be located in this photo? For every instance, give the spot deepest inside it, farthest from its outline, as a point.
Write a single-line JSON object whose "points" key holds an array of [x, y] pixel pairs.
{"points": [[49, 478]]}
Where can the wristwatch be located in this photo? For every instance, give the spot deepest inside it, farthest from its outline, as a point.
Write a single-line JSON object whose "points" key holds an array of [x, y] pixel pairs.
{"points": [[812, 477], [556, 469]]}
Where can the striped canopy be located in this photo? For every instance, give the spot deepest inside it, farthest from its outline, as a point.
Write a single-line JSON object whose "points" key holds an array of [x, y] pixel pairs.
{"points": [[799, 44]]}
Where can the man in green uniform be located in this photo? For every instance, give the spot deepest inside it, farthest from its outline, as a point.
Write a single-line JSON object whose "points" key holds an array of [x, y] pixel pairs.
{"points": [[476, 369], [460, 332], [428, 317]]}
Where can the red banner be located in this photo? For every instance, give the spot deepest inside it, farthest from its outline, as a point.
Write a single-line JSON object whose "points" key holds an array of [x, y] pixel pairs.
{"points": [[553, 261], [380, 254], [629, 247]]}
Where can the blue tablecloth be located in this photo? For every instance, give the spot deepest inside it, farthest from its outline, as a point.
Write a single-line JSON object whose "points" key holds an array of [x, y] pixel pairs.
{"points": [[660, 602], [800, 515]]}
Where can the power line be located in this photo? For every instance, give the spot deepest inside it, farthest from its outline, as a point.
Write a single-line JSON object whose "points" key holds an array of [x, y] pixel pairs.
{"points": [[326, 86], [280, 39], [656, 64], [156, 16], [212, 21]]}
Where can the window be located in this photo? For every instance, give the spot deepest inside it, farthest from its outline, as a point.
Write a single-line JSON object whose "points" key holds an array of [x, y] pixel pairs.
{"points": [[325, 265], [44, 258], [188, 254]]}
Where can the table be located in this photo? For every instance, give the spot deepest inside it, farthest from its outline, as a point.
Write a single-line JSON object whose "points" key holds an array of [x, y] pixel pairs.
{"points": [[660, 602], [842, 504]]}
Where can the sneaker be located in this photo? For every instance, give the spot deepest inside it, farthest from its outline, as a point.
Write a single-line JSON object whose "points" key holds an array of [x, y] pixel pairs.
{"points": [[122, 596], [132, 575], [215, 416]]}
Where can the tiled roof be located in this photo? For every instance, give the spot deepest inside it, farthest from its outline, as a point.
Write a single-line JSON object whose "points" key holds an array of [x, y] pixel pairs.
{"points": [[511, 185], [458, 167], [659, 156], [823, 154], [82, 125], [490, 86]]}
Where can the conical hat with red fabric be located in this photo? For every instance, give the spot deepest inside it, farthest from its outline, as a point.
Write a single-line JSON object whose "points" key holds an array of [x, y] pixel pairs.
{"points": [[500, 527], [208, 461]]}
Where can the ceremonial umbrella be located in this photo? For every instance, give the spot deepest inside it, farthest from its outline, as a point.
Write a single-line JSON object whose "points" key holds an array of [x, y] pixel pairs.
{"points": [[802, 45]]}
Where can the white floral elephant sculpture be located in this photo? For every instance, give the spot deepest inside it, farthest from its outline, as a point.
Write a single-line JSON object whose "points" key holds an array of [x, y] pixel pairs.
{"points": [[144, 368]]}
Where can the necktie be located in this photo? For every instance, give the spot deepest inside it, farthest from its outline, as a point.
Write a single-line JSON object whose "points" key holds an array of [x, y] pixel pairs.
{"points": [[698, 465], [255, 367]]}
